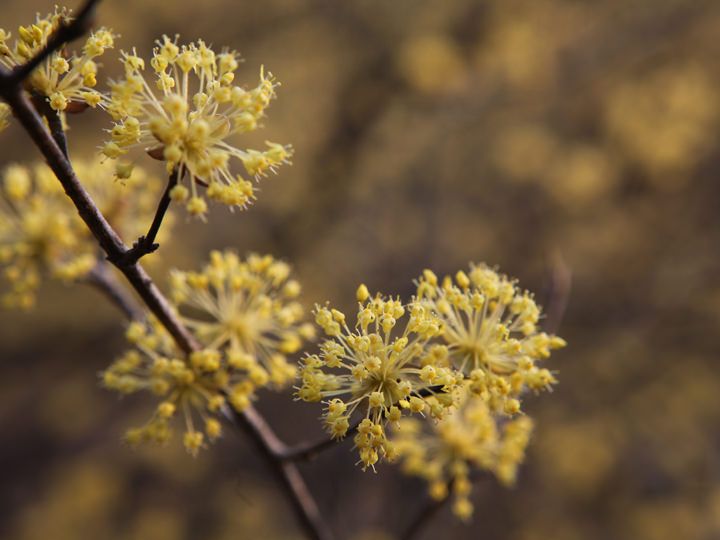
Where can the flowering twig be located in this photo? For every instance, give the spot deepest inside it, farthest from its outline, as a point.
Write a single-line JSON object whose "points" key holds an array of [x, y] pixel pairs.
{"points": [[116, 252], [11, 90], [109, 240]]}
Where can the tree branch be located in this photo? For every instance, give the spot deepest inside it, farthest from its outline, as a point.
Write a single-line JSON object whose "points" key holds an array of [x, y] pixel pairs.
{"points": [[427, 512], [272, 449]]}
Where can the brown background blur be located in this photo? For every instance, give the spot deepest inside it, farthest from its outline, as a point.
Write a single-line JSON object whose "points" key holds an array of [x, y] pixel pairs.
{"points": [[427, 134]]}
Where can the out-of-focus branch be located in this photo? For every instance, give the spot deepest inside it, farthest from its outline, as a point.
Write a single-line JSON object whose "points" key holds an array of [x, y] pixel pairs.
{"points": [[426, 513], [430, 509], [557, 293], [101, 278]]}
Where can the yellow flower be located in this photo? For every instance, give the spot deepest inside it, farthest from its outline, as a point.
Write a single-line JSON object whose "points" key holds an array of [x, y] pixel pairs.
{"points": [[41, 233], [247, 310], [156, 365], [187, 114], [378, 370], [4, 116], [62, 79], [490, 328], [445, 453]]}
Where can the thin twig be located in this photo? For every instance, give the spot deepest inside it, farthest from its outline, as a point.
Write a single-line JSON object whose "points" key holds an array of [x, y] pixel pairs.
{"points": [[557, 293], [146, 244], [426, 513], [431, 508], [265, 439], [101, 278], [54, 121], [272, 448], [307, 451]]}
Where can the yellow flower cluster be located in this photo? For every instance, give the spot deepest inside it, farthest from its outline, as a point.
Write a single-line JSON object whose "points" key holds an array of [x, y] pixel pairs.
{"points": [[490, 328], [383, 372], [158, 366], [244, 314], [465, 356], [41, 233], [445, 453], [247, 310], [186, 116], [65, 80]]}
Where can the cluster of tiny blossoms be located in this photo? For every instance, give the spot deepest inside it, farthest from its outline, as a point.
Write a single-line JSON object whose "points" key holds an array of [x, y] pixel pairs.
{"points": [[491, 330], [245, 316], [246, 310], [41, 233], [382, 371], [155, 364], [445, 453], [465, 357], [185, 117], [4, 116], [66, 81]]}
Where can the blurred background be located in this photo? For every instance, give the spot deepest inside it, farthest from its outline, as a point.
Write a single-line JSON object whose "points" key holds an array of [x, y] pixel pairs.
{"points": [[523, 133]]}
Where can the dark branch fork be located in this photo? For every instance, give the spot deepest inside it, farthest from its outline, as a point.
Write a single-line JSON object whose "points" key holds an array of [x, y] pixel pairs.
{"points": [[146, 244], [125, 259]]}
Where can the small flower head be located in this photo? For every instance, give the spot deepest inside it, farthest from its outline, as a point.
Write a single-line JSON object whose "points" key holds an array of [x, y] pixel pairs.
{"points": [[247, 310], [445, 453], [490, 328], [4, 116], [156, 365], [383, 367], [65, 80], [184, 108], [41, 233]]}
